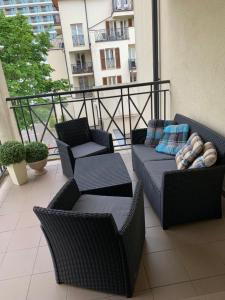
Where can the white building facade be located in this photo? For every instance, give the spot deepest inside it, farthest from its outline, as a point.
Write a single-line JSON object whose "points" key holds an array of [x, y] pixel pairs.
{"points": [[99, 41]]}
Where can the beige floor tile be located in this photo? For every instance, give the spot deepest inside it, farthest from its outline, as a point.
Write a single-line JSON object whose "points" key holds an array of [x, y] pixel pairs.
{"points": [[43, 241], [43, 261], [25, 238], [17, 263], [4, 240], [44, 287], [14, 289], [157, 239], [142, 280], [174, 292], [217, 296], [164, 268], [27, 219], [219, 248], [209, 285], [8, 222], [197, 298], [200, 261], [13, 205], [84, 294], [150, 218], [146, 295]]}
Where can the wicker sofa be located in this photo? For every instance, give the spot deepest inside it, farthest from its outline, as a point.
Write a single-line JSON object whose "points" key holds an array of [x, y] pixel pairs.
{"points": [[95, 241], [180, 196]]}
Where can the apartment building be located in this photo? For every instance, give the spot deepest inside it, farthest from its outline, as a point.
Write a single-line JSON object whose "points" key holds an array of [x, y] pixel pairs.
{"points": [[42, 15], [99, 41]]}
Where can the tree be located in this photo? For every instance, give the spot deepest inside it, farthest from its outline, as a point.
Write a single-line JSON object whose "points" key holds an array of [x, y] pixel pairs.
{"points": [[24, 60]]}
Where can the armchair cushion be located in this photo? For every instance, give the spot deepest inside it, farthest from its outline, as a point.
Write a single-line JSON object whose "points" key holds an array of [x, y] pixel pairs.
{"points": [[119, 207], [87, 149]]}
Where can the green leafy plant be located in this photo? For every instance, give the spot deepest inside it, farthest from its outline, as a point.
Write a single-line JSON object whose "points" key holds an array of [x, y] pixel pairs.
{"points": [[11, 152], [36, 151]]}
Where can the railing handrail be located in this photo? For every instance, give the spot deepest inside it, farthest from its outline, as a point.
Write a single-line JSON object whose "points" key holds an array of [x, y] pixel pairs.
{"points": [[98, 89]]}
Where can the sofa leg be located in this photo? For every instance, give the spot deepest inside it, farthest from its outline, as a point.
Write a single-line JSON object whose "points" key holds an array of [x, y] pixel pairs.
{"points": [[165, 227]]}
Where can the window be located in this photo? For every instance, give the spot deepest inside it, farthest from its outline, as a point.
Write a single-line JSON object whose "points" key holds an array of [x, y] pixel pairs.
{"points": [[110, 58], [77, 34], [112, 80], [133, 76]]}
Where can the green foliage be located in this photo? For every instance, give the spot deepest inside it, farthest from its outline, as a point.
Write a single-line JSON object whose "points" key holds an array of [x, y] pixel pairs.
{"points": [[11, 152], [24, 62], [36, 151]]}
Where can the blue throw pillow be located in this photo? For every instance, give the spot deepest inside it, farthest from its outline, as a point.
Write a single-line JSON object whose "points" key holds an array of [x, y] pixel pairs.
{"points": [[155, 131], [173, 139]]}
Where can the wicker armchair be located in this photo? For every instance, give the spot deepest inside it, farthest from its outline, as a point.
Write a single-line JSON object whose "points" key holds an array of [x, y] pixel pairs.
{"points": [[96, 242], [76, 139]]}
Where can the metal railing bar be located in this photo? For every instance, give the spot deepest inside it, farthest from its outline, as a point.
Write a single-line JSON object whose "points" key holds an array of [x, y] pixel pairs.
{"points": [[130, 85]]}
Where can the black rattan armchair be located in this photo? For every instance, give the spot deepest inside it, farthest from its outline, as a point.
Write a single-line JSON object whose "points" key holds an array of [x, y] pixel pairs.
{"points": [[76, 139], [96, 242]]}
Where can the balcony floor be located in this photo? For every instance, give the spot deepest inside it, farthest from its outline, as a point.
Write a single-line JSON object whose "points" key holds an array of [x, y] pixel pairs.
{"points": [[183, 262]]}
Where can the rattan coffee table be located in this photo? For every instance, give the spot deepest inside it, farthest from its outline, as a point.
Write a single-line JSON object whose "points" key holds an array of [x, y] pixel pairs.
{"points": [[103, 175]]}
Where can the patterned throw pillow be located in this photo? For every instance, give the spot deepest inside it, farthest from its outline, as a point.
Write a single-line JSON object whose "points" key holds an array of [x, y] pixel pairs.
{"points": [[155, 131], [190, 151], [173, 139], [208, 157]]}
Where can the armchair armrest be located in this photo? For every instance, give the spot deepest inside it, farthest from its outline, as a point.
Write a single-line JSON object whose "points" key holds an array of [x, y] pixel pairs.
{"points": [[133, 234], [138, 136], [102, 138], [67, 158], [67, 196], [191, 195]]}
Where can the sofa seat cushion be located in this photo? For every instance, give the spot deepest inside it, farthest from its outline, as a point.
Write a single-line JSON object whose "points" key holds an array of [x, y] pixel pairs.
{"points": [[88, 149], [145, 153], [119, 207], [156, 169]]}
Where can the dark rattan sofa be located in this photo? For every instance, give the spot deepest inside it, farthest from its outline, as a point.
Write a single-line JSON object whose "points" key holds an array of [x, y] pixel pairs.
{"points": [[76, 139], [95, 241], [180, 196]]}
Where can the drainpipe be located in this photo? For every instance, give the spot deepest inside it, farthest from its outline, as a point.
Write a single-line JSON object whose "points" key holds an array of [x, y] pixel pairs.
{"points": [[155, 51], [88, 32]]}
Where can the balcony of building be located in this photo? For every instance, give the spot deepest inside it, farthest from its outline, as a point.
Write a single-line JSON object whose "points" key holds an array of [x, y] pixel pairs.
{"points": [[186, 261], [85, 69], [118, 34], [122, 8], [132, 64]]}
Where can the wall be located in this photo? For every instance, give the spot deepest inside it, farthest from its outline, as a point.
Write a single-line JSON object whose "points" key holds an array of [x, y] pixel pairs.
{"points": [[56, 59], [193, 58], [143, 30]]}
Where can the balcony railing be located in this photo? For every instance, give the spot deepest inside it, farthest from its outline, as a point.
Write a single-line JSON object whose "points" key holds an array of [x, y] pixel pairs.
{"points": [[119, 108], [78, 40], [85, 68], [132, 63], [105, 35], [122, 5]]}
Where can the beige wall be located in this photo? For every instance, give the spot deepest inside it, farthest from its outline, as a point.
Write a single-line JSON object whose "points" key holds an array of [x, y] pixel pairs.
{"points": [[193, 58], [143, 30], [56, 59]]}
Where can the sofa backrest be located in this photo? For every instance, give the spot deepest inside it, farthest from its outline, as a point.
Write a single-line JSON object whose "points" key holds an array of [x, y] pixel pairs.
{"points": [[207, 134]]}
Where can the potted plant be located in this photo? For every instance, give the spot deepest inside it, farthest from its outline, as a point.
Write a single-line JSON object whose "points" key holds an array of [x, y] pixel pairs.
{"points": [[36, 156], [12, 155]]}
